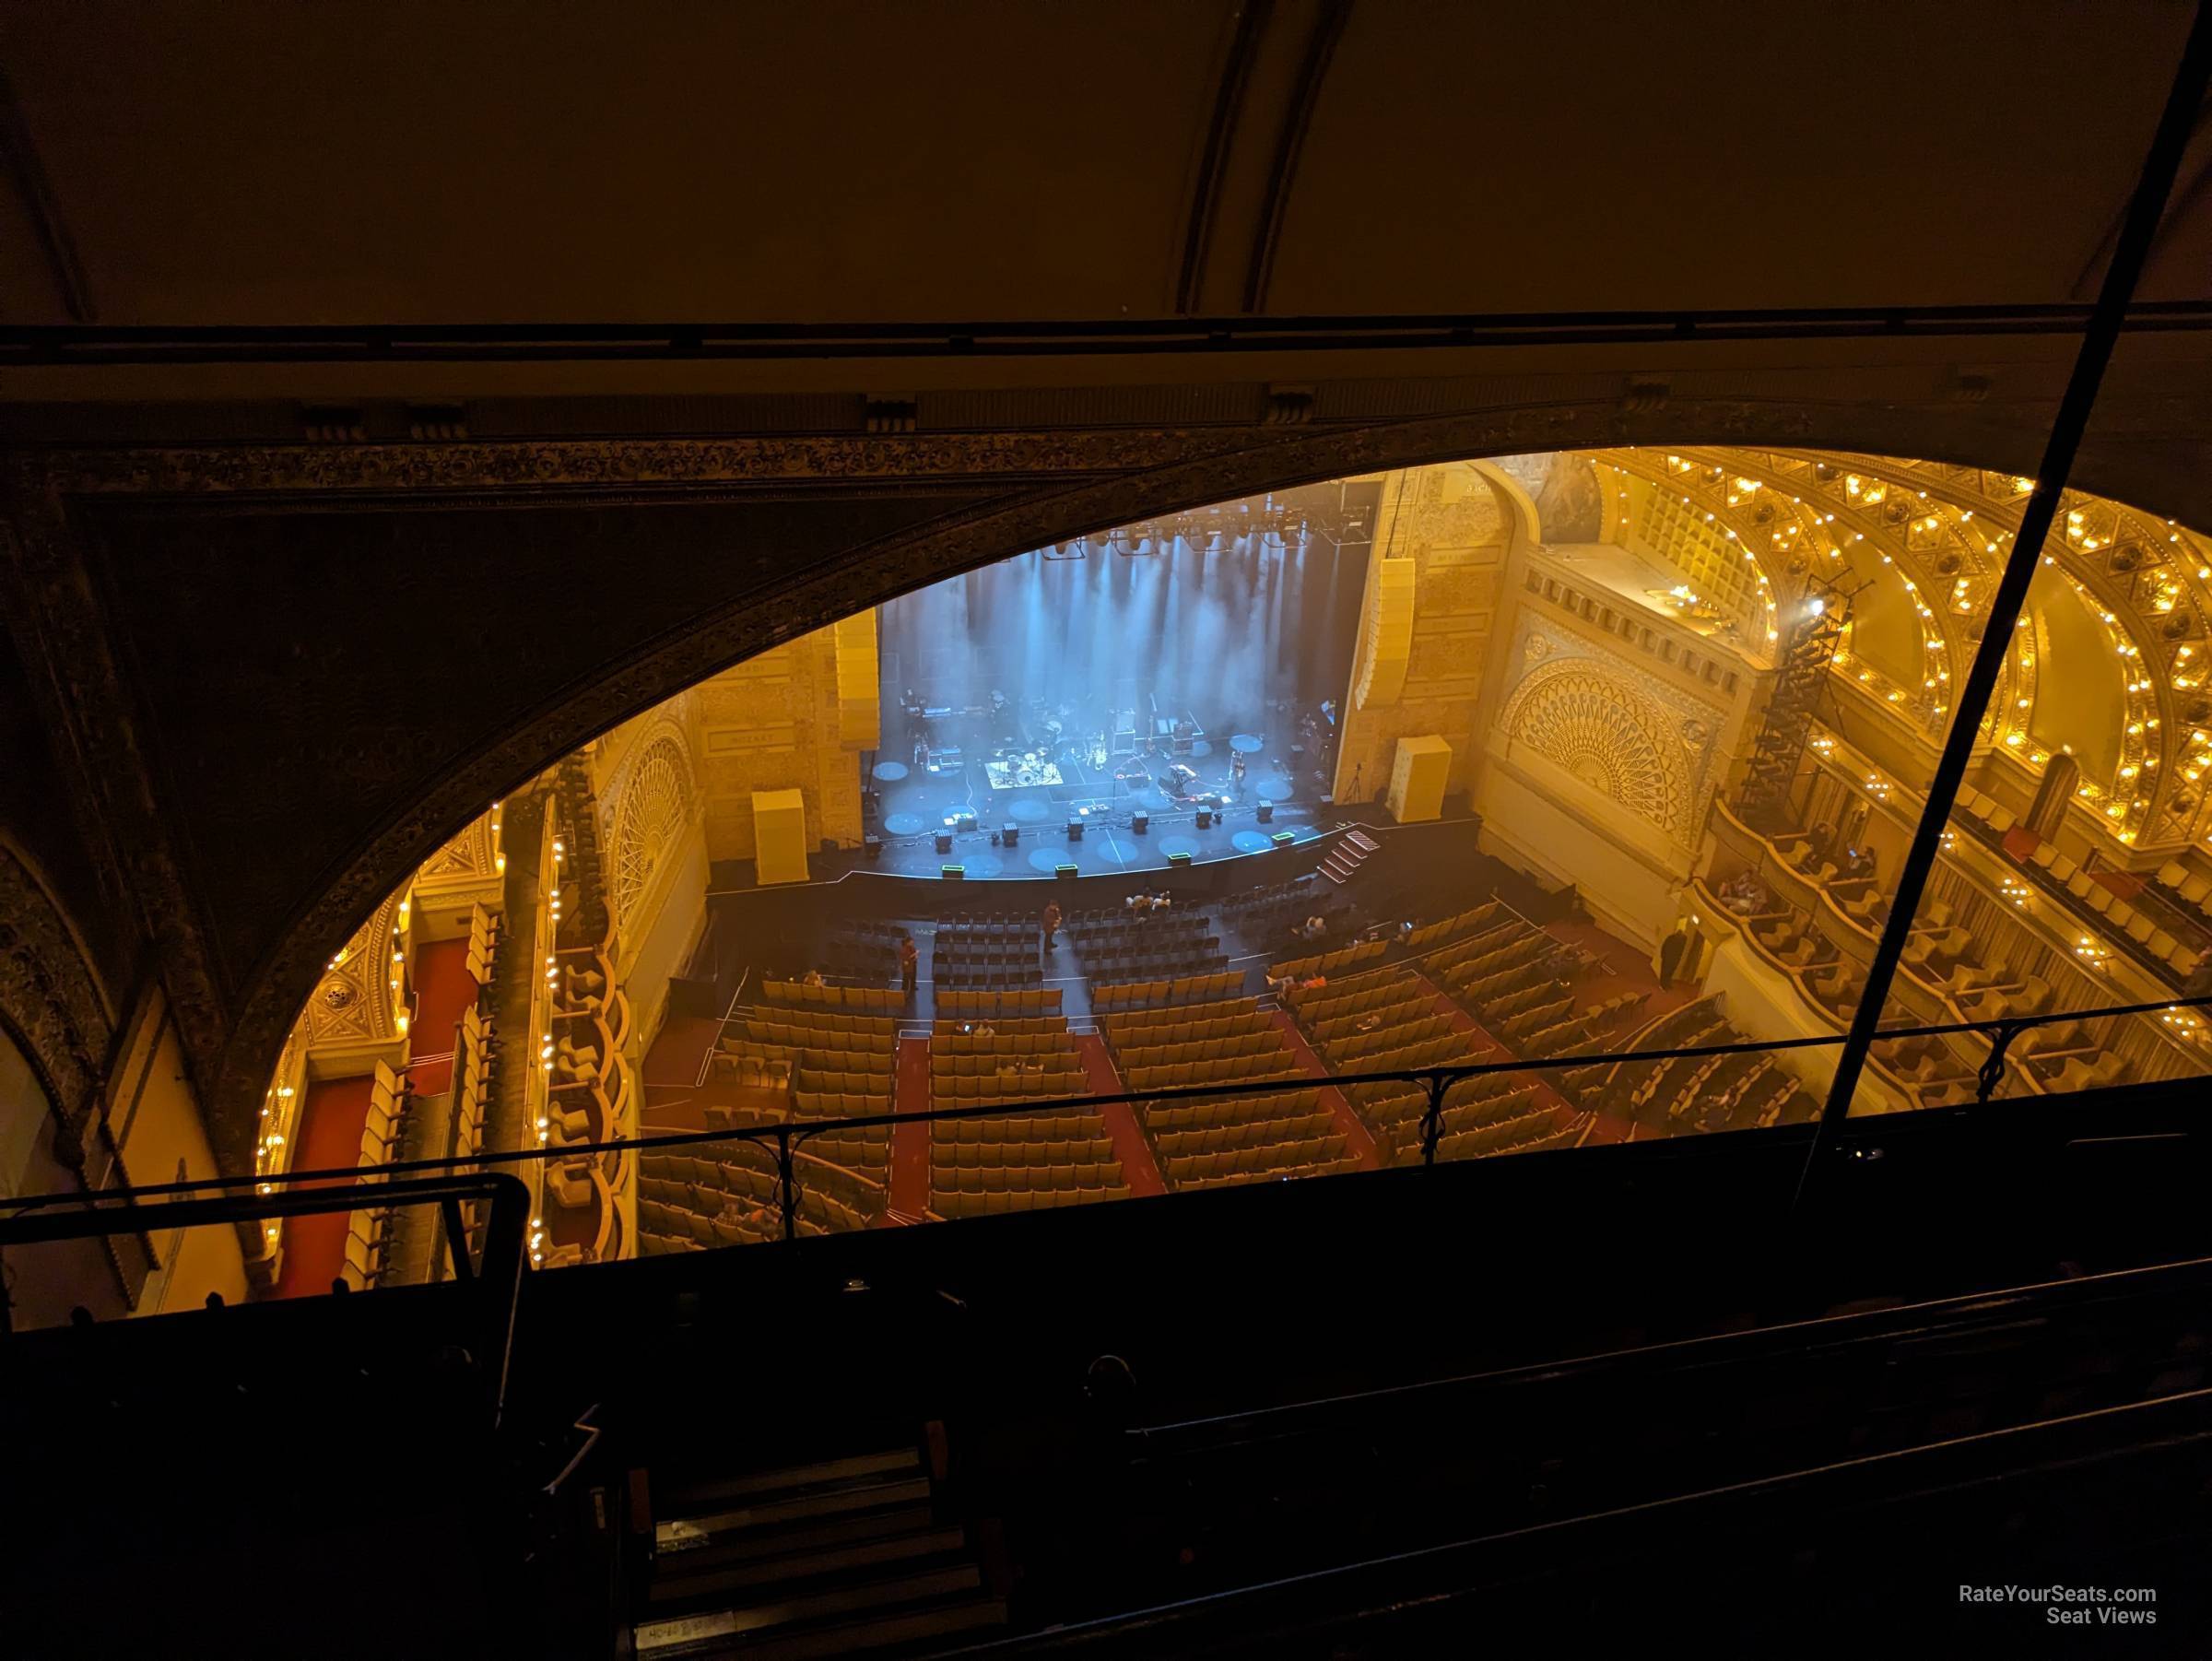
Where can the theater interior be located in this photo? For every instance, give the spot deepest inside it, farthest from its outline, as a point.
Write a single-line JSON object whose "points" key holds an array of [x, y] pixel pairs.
{"points": [[1350, 867]]}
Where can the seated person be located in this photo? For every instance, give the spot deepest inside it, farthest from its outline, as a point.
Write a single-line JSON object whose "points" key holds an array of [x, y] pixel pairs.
{"points": [[813, 977], [1858, 862]]}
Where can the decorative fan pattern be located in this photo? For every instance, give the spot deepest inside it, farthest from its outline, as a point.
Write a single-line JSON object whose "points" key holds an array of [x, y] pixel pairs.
{"points": [[1608, 736], [648, 821]]}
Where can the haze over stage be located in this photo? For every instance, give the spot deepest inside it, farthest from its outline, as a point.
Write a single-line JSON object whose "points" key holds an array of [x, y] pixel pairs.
{"points": [[1108, 676]]}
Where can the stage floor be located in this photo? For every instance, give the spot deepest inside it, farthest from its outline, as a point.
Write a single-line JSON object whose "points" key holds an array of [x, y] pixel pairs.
{"points": [[914, 804]]}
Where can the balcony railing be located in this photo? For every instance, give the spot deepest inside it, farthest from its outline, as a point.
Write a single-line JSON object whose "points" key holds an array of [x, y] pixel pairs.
{"points": [[37, 1217]]}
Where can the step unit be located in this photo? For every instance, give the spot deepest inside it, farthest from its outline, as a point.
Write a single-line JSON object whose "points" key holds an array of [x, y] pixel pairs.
{"points": [[842, 1557]]}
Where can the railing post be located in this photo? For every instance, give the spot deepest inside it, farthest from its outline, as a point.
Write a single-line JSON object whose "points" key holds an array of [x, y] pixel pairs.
{"points": [[1993, 1067], [1432, 1121], [456, 1239], [790, 1186]]}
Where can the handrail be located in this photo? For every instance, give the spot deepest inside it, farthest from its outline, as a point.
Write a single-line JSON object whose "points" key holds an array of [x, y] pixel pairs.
{"points": [[1437, 1081], [1924, 1319], [1433, 1577], [494, 1276]]}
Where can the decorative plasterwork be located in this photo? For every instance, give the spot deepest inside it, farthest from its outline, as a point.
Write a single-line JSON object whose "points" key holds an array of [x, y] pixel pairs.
{"points": [[1624, 734], [645, 811], [49, 1003], [356, 1002], [469, 861]]}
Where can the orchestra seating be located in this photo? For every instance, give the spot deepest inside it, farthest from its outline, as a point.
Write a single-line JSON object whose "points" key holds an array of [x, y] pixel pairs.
{"points": [[1270, 913], [864, 951], [729, 1194], [991, 1164], [1383, 1021], [1330, 962], [1177, 990], [1429, 936], [1214, 1144], [1694, 1094], [994, 953], [813, 1065], [995, 1006], [1207, 1044], [865, 1000], [1121, 948]]}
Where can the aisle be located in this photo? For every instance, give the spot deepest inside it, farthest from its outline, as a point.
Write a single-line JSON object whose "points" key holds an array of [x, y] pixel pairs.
{"points": [[909, 1187], [1139, 1169], [329, 1137], [443, 988], [1358, 1140]]}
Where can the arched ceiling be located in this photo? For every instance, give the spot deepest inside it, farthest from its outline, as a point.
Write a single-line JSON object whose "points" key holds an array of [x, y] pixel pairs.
{"points": [[236, 161]]}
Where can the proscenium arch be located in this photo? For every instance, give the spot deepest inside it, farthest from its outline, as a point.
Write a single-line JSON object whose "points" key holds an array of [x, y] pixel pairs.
{"points": [[1152, 474]]}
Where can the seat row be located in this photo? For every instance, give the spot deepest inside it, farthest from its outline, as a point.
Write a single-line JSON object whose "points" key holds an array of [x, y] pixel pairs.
{"points": [[989, 1062], [1376, 989], [813, 1026], [1258, 1165], [1073, 1124], [876, 1000], [843, 1052], [1051, 1040], [990, 1203], [1093, 1178], [841, 1104], [1328, 962], [1498, 946], [1471, 1146], [1449, 929], [1180, 989], [979, 1092], [1252, 1133], [1097, 1152], [1268, 1043], [992, 1005], [1164, 1118], [1173, 1026], [1233, 1068]]}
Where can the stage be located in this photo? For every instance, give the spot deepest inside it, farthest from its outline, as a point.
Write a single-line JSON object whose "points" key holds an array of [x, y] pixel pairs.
{"points": [[914, 805]]}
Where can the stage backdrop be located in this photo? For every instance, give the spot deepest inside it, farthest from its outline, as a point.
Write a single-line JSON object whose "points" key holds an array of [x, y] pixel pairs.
{"points": [[1223, 628]]}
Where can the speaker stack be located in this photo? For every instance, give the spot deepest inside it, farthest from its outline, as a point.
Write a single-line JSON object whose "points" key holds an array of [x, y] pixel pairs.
{"points": [[944, 841], [1140, 821], [1267, 813], [1205, 818], [1074, 829]]}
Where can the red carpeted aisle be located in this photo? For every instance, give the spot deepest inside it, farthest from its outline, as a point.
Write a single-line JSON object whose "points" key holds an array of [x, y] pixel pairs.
{"points": [[1487, 1048], [328, 1139], [443, 988], [1357, 1141], [1129, 1145], [679, 1057], [910, 1143]]}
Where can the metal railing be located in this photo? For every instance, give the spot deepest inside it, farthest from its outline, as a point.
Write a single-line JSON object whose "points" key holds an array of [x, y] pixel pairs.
{"points": [[123, 1207], [492, 1276]]}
